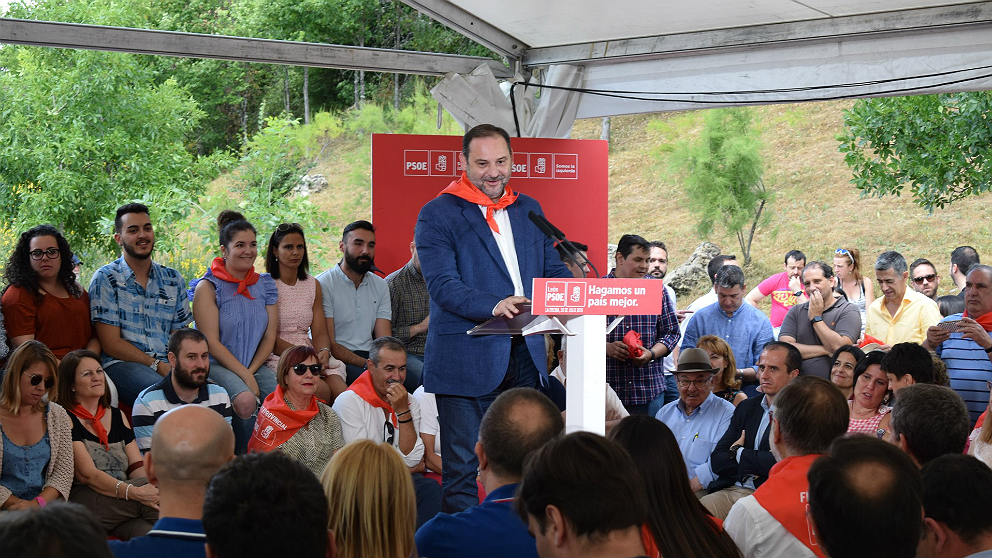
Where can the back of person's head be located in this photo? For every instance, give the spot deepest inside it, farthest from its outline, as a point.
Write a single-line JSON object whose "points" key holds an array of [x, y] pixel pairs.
{"points": [[950, 304], [229, 223], [728, 277], [628, 242], [518, 422], [930, 420], [866, 499], [58, 529], [964, 257], [591, 481], [794, 255], [265, 504], [811, 413], [373, 510], [891, 260], [717, 262], [124, 210], [957, 490], [677, 520], [909, 358], [566, 255], [793, 358], [189, 444]]}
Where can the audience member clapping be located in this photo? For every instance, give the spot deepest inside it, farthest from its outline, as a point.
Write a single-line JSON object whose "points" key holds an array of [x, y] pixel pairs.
{"points": [[726, 384], [869, 414], [373, 510], [929, 421], [43, 301], [267, 504], [678, 524], [292, 419], [59, 530], [110, 474], [845, 359], [300, 307], [189, 444], [37, 435], [865, 500], [957, 490], [235, 308]]}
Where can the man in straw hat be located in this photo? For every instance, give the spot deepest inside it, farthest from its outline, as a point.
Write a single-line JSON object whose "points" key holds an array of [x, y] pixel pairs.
{"points": [[697, 418]]}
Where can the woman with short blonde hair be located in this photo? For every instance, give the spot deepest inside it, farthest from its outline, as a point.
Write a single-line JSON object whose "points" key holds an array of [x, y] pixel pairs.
{"points": [[373, 510]]}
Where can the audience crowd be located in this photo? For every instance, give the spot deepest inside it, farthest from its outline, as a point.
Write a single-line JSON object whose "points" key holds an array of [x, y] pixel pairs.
{"points": [[276, 413]]}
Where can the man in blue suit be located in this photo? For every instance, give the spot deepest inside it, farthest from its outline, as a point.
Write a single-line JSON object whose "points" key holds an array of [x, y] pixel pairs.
{"points": [[479, 253]]}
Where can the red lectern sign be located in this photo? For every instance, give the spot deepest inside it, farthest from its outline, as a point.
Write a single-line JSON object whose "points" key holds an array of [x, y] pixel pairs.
{"points": [[568, 177], [613, 297]]}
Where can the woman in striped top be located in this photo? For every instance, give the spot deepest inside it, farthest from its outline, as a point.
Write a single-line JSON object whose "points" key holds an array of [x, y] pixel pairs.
{"points": [[871, 386]]}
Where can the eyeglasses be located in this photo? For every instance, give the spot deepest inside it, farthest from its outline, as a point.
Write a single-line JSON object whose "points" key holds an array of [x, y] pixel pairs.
{"points": [[301, 369], [683, 382], [286, 227], [844, 252], [51, 253], [36, 379], [928, 278], [387, 432]]}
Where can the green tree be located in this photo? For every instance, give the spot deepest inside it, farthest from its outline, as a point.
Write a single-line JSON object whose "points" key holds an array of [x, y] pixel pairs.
{"points": [[938, 145], [722, 172]]}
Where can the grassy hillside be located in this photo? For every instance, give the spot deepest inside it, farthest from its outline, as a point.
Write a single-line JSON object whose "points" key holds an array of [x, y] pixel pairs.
{"points": [[816, 209]]}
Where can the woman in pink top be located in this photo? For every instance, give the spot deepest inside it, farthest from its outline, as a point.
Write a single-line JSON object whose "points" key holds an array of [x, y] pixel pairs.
{"points": [[301, 315], [871, 385]]}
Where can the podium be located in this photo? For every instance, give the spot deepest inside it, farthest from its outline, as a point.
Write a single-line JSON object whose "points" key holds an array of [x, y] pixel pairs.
{"points": [[578, 308]]}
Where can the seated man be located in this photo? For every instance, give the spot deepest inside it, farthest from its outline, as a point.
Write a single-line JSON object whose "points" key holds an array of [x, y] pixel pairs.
{"points": [[266, 504], [410, 307], [189, 445], [907, 364], [809, 414], [377, 407], [956, 492], [580, 496], [929, 421], [518, 422], [743, 457], [697, 418], [185, 384], [865, 499]]}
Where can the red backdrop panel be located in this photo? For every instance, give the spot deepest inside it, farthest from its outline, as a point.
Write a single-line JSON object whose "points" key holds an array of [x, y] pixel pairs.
{"points": [[569, 178]]}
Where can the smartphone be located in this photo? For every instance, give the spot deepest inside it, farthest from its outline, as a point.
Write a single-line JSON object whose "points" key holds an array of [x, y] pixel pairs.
{"points": [[949, 326]]}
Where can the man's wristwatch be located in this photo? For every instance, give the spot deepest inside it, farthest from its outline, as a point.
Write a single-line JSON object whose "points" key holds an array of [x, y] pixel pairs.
{"points": [[989, 350], [154, 365], [816, 319]]}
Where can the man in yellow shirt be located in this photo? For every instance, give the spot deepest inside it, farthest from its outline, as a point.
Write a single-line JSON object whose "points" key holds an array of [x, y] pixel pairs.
{"points": [[901, 315]]}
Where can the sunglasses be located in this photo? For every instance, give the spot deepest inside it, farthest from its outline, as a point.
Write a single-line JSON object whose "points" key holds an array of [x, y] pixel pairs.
{"points": [[36, 379], [844, 252], [50, 253], [301, 369], [928, 278], [388, 431]]}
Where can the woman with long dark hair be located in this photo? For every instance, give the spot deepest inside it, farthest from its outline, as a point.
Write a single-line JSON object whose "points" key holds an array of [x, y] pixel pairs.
{"points": [[678, 523], [43, 300]]}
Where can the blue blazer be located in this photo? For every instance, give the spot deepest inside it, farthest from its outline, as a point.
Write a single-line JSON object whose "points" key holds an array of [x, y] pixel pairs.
{"points": [[466, 278]]}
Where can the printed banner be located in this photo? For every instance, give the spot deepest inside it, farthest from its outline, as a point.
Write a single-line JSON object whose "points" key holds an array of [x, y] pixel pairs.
{"points": [[612, 297]]}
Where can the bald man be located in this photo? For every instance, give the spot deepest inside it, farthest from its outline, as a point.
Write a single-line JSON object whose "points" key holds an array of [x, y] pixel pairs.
{"points": [[189, 444]]}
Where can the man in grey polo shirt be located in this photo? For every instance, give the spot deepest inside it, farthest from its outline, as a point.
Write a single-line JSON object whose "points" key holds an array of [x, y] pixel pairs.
{"points": [[821, 325], [356, 301]]}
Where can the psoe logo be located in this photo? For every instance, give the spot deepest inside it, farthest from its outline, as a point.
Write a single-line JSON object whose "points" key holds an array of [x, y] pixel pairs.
{"points": [[554, 293], [266, 432], [576, 295]]}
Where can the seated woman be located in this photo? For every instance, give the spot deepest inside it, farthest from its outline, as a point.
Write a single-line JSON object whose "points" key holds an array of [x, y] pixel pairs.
{"points": [[871, 385], [292, 420], [858, 289], [678, 525], [300, 307], [845, 359], [43, 300], [367, 484], [236, 310], [36, 454], [110, 474], [725, 382]]}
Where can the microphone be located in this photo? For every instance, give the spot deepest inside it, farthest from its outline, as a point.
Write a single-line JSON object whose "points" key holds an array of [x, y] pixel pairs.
{"points": [[546, 227], [563, 244]]}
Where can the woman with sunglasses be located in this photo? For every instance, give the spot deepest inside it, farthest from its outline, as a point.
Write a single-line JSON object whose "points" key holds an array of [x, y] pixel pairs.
{"points": [[43, 299], [300, 307], [292, 419], [857, 288], [36, 453], [110, 474]]}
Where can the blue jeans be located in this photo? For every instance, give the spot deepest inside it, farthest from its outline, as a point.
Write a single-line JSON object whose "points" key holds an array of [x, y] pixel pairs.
{"points": [[459, 419], [234, 385], [428, 495], [414, 372], [352, 371], [130, 378]]}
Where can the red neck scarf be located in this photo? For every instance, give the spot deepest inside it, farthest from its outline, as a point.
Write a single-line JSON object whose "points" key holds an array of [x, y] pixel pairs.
{"points": [[94, 421], [785, 495], [219, 269], [277, 422], [467, 191], [363, 388], [985, 320]]}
